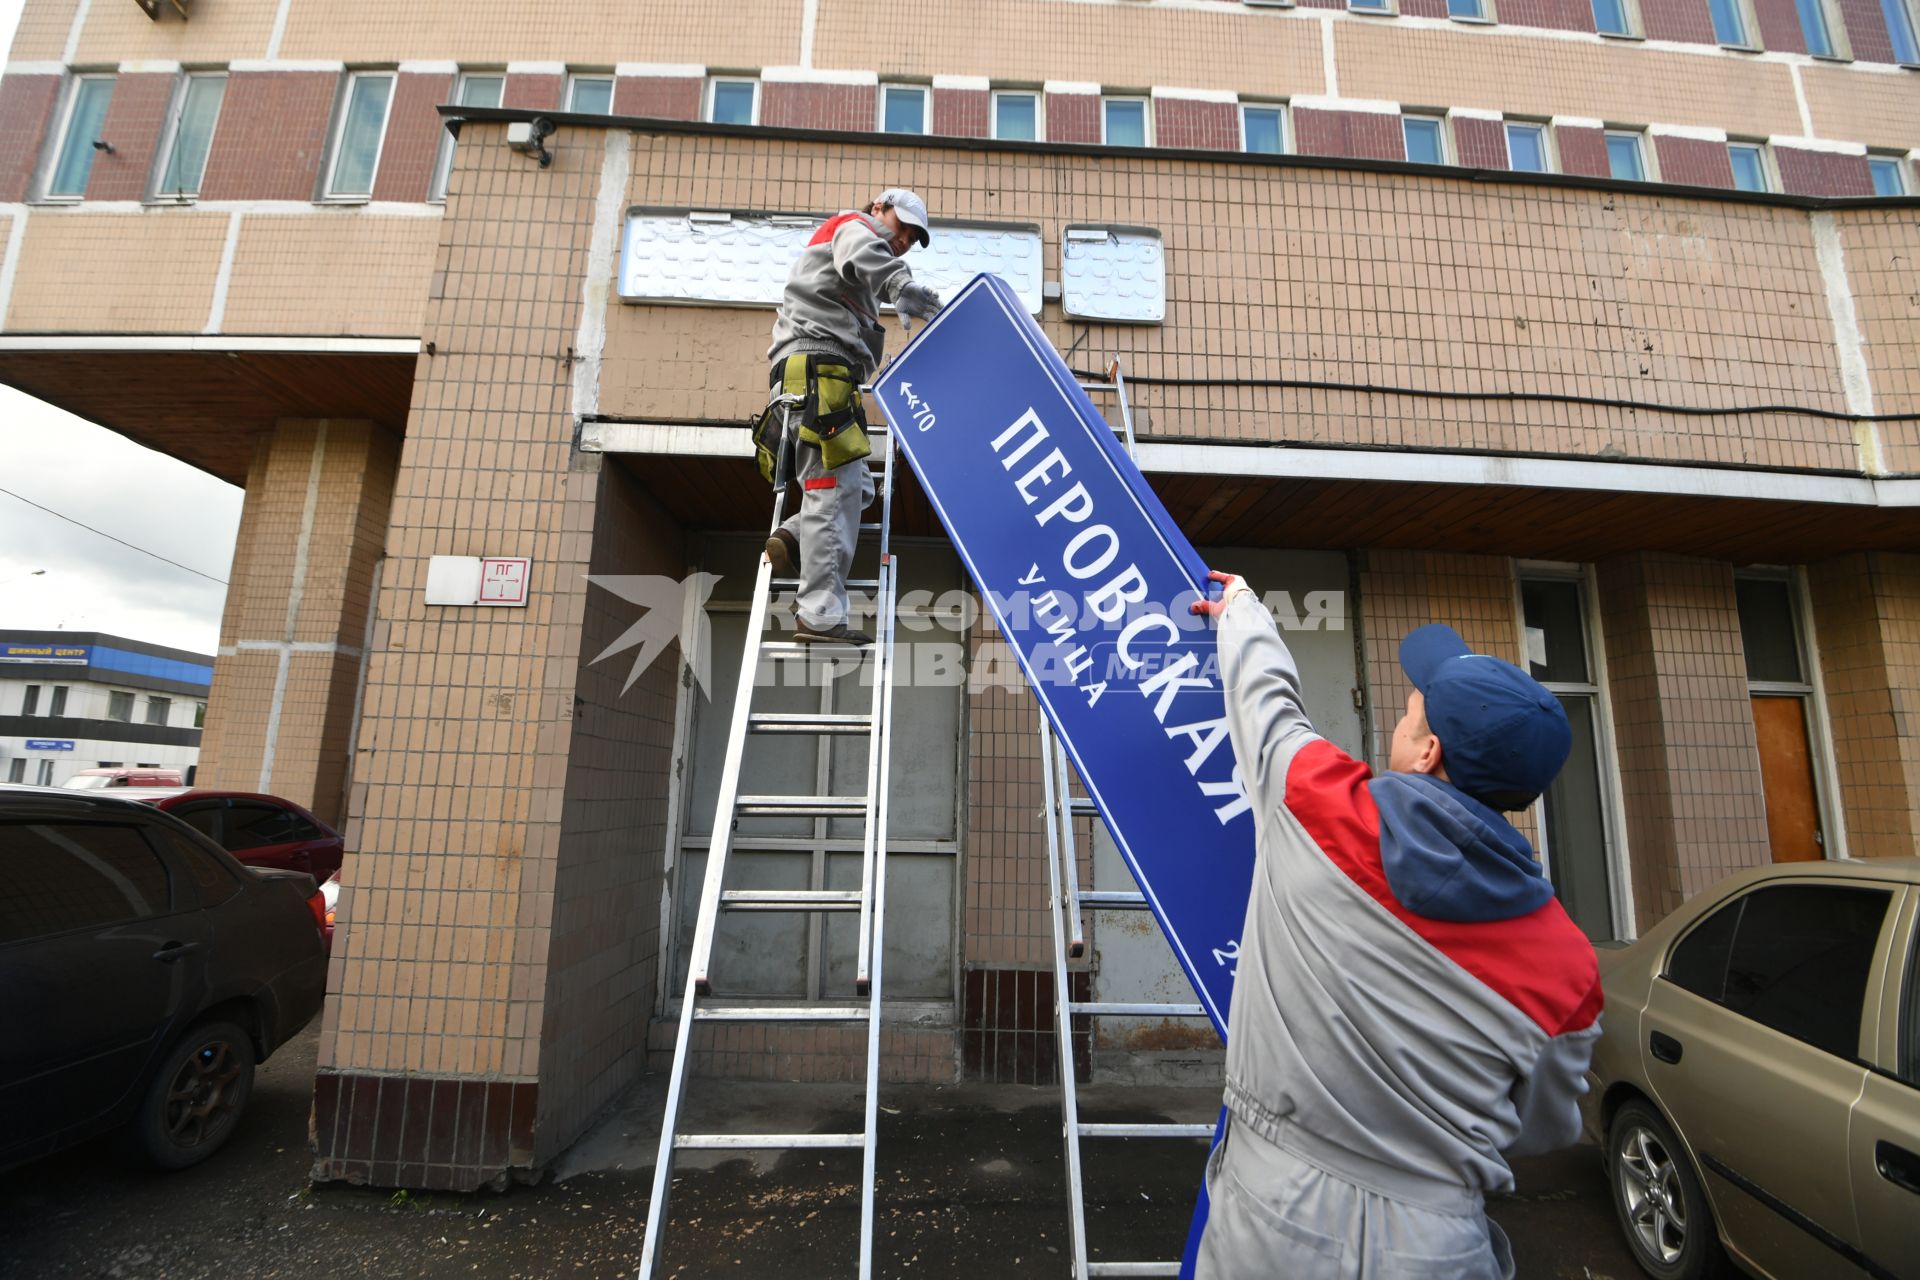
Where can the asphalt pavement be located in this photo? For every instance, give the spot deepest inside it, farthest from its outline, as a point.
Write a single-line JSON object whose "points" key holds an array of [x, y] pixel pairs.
{"points": [[969, 1184]]}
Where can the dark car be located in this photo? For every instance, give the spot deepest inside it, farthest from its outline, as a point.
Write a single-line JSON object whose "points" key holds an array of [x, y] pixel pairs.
{"points": [[261, 831], [143, 973]]}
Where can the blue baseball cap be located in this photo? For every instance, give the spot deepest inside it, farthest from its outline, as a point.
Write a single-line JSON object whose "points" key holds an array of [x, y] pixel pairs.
{"points": [[1503, 735]]}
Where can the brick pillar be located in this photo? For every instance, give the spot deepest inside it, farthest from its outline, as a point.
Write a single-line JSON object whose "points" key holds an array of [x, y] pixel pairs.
{"points": [[1683, 726], [1866, 612], [281, 707]]}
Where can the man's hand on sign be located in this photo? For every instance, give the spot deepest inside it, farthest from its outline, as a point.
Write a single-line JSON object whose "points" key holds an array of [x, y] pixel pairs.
{"points": [[917, 302], [1233, 585]]}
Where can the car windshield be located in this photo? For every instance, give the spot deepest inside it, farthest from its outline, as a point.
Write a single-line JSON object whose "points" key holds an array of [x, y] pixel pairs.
{"points": [[89, 781]]}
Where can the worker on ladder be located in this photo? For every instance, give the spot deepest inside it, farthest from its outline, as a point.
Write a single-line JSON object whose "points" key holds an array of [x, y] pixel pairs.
{"points": [[1412, 1007], [827, 341]]}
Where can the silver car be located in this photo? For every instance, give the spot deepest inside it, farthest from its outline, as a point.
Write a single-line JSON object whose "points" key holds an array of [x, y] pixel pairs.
{"points": [[1756, 1090]]}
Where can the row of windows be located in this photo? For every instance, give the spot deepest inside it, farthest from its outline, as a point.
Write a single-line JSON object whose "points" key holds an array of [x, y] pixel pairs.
{"points": [[1735, 24], [360, 128], [119, 705]]}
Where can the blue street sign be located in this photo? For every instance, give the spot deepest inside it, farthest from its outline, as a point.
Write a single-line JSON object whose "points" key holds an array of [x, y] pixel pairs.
{"points": [[1089, 580], [49, 744]]}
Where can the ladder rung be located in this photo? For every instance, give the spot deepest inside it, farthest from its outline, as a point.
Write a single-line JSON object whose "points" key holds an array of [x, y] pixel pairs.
{"points": [[801, 807], [853, 584], [872, 528], [802, 648], [1079, 805], [765, 1141], [808, 722], [791, 899], [1133, 1268], [1113, 901], [1146, 1130], [780, 1013], [1118, 1009]]}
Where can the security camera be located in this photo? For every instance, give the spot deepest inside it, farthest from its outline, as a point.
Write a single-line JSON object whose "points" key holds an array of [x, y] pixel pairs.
{"points": [[529, 136]]}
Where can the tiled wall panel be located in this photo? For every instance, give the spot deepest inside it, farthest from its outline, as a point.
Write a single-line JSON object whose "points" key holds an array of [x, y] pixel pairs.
{"points": [[1880, 274], [117, 272], [272, 136], [1866, 616], [1866, 26], [27, 104], [1822, 173], [534, 92], [1878, 110], [217, 33], [659, 97], [1073, 117], [1693, 161], [133, 125], [1371, 134], [963, 113], [1185, 122], [1779, 25], [414, 137], [1582, 151], [42, 33], [288, 274], [786, 104], [1688, 21], [1480, 144]]}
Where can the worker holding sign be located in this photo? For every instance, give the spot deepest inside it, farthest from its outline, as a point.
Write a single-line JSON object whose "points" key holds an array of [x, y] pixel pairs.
{"points": [[1412, 1007], [827, 341]]}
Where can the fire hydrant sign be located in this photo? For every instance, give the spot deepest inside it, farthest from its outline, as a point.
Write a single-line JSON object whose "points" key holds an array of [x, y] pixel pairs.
{"points": [[503, 580], [1090, 581]]}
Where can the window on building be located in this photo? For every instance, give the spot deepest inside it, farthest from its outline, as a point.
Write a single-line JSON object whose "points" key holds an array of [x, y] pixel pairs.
{"points": [[1814, 27], [1784, 725], [1123, 122], [30, 704], [1263, 129], [733, 101], [120, 707], [183, 156], [1576, 820], [1474, 9], [108, 764], [359, 135], [1426, 139], [43, 776], [1370, 6], [16, 770], [475, 89], [1900, 30], [1729, 22], [1792, 957], [1626, 156], [903, 108], [86, 113], [1889, 175], [158, 709], [58, 706], [1611, 18], [1527, 147], [1749, 161], [590, 95], [199, 715], [1016, 116]]}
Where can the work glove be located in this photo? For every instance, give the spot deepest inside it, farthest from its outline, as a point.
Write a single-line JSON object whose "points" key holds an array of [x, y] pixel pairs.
{"points": [[917, 302], [1234, 584]]}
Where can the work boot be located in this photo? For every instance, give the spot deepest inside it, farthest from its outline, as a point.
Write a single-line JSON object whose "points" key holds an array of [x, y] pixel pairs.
{"points": [[783, 552], [840, 633]]}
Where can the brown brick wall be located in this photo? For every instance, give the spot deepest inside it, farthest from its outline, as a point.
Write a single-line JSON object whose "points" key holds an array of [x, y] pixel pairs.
{"points": [[658, 97], [1866, 28], [963, 113], [26, 117], [1684, 20], [272, 136], [1866, 616], [1480, 144], [1073, 117], [1371, 134], [1581, 151], [1186, 122], [818, 106], [1822, 173], [414, 131], [1555, 15], [1779, 26], [1693, 161], [133, 123], [1683, 727], [534, 92]]}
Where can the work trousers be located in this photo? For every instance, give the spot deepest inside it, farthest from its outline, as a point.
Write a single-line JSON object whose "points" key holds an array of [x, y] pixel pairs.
{"points": [[826, 526], [1274, 1216]]}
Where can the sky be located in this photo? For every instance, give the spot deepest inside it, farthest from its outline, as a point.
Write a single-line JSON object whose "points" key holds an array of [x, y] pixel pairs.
{"points": [[57, 575]]}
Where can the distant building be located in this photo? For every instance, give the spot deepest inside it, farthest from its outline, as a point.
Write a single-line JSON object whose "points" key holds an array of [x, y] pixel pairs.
{"points": [[81, 700]]}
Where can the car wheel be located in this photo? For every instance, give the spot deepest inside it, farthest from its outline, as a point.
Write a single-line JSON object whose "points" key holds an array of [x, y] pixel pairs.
{"points": [[1659, 1202], [195, 1099]]}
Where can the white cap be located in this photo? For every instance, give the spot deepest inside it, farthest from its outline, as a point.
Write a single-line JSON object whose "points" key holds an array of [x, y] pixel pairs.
{"points": [[911, 208]]}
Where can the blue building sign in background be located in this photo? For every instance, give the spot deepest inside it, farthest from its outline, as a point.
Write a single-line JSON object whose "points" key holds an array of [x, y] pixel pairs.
{"points": [[50, 744], [47, 655]]}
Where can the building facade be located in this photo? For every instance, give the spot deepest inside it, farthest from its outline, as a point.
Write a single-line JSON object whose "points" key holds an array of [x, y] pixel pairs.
{"points": [[78, 700], [1578, 326]]}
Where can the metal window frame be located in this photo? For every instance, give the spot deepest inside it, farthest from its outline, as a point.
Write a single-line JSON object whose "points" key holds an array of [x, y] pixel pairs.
{"points": [[1039, 112], [926, 108], [1549, 154], [573, 82], [1643, 153], [1146, 117], [1895, 163], [1769, 177], [58, 153], [443, 158], [710, 93], [1280, 112], [1439, 120], [1811, 689], [1606, 749], [342, 115], [176, 115]]}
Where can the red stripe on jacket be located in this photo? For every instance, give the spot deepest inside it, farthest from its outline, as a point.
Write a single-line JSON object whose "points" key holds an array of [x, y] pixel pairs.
{"points": [[1539, 962], [833, 224]]}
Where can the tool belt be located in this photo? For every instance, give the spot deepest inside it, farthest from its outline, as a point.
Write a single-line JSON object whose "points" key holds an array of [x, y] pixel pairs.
{"points": [[821, 397]]}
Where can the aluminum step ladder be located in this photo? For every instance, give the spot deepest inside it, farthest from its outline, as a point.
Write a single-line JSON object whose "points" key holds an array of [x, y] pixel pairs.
{"points": [[717, 901], [1068, 903]]}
